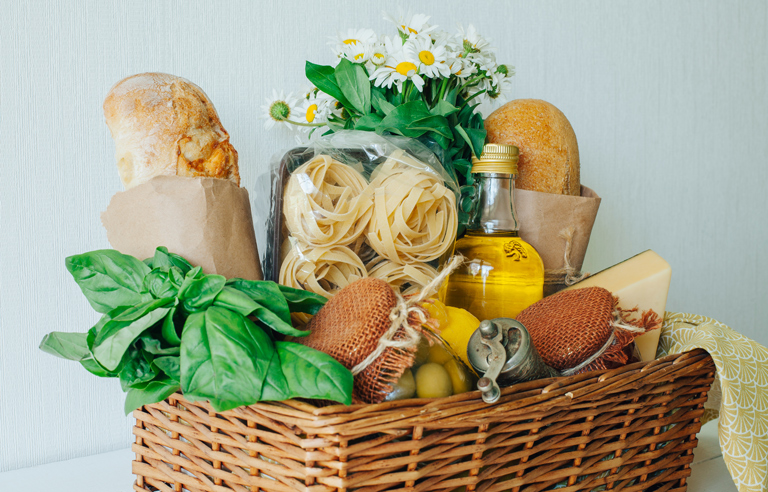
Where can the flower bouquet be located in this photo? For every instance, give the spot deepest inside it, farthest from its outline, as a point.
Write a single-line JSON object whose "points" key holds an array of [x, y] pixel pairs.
{"points": [[422, 83]]}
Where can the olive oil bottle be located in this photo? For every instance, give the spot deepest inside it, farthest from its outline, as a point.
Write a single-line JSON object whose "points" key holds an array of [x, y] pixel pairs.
{"points": [[502, 274]]}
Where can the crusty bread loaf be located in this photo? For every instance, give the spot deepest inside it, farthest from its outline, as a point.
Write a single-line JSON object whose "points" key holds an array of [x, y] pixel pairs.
{"points": [[166, 125], [549, 153]]}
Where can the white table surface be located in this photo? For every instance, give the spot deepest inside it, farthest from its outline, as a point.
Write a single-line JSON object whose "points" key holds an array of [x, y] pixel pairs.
{"points": [[111, 472]]}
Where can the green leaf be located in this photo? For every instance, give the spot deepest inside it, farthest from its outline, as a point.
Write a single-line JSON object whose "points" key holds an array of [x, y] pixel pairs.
{"points": [[149, 392], [96, 369], [158, 283], [198, 291], [399, 119], [109, 279], [166, 260], [169, 332], [169, 365], [239, 302], [71, 346], [308, 373], [224, 358], [302, 301], [437, 124], [474, 137], [443, 108], [265, 293], [354, 84], [368, 122], [136, 369], [379, 101], [117, 334], [153, 346], [323, 77]]}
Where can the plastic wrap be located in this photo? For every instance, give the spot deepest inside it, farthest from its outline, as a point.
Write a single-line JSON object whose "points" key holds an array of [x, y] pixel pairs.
{"points": [[356, 204]]}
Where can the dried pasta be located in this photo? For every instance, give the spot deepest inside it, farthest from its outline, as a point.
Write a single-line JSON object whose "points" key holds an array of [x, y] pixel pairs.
{"points": [[323, 271], [325, 205], [408, 278], [414, 213]]}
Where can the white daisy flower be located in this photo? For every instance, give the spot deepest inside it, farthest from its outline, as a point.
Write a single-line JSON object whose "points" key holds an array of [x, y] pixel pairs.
{"points": [[314, 109], [278, 109], [452, 42], [352, 37], [472, 42], [397, 69], [356, 52], [411, 24], [378, 54], [462, 67], [432, 58]]}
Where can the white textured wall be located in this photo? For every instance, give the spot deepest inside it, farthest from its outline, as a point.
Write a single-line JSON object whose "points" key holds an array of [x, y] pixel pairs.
{"points": [[669, 101]]}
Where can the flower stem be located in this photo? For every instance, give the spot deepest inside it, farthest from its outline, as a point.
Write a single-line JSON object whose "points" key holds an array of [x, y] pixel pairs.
{"points": [[469, 83], [310, 125]]}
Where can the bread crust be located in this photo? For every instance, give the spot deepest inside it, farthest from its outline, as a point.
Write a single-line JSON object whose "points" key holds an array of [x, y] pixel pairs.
{"points": [[166, 125], [549, 152]]}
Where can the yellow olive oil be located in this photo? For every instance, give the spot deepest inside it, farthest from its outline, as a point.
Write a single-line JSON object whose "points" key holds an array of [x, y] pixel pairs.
{"points": [[502, 276]]}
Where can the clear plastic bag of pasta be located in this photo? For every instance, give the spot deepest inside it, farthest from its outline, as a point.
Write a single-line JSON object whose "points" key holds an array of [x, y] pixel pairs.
{"points": [[356, 204]]}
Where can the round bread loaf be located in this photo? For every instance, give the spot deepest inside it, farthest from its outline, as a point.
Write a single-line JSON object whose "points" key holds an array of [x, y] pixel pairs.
{"points": [[549, 153], [166, 125]]}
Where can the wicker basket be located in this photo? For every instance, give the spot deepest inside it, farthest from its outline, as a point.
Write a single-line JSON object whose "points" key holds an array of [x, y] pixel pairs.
{"points": [[628, 429]]}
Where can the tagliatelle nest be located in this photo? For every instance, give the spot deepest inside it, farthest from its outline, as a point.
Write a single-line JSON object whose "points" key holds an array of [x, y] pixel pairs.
{"points": [[323, 271], [325, 204], [414, 213], [408, 278]]}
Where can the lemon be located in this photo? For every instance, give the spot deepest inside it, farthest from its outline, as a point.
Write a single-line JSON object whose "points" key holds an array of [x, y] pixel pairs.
{"points": [[456, 326]]}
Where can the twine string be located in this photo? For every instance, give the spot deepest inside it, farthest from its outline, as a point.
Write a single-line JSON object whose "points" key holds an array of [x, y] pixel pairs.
{"points": [[400, 315], [568, 273]]}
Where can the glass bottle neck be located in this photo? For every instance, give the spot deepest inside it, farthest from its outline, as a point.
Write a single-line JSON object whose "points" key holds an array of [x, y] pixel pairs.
{"points": [[495, 204]]}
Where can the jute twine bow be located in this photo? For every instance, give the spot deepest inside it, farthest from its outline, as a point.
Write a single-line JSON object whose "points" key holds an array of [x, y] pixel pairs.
{"points": [[568, 273], [409, 337]]}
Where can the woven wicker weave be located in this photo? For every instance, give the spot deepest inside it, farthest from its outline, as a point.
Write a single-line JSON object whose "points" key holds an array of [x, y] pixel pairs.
{"points": [[631, 429]]}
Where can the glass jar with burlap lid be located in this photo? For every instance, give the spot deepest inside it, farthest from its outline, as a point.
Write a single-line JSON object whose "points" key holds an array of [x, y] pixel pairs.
{"points": [[584, 330]]}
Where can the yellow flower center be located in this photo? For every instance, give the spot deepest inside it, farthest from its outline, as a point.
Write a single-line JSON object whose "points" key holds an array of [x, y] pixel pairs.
{"points": [[359, 56], [378, 58], [405, 68], [406, 28], [311, 112], [350, 41], [426, 57]]}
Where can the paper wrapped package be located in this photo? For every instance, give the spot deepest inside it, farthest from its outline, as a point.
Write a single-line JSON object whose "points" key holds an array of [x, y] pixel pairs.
{"points": [[558, 226], [207, 221]]}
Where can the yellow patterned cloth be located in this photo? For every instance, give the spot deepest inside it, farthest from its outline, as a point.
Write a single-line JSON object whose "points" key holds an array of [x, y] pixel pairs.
{"points": [[739, 394]]}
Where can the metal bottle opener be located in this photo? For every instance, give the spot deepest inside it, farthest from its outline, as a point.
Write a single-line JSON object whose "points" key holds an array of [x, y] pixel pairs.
{"points": [[502, 351]]}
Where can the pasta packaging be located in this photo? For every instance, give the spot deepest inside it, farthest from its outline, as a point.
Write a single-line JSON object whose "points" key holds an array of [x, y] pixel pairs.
{"points": [[355, 205]]}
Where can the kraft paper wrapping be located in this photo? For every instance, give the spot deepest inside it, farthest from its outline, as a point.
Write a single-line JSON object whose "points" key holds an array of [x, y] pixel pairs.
{"points": [[545, 220], [207, 221]]}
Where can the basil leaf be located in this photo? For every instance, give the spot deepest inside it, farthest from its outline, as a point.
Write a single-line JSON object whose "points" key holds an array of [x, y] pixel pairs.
{"points": [[169, 365], [169, 332], [96, 369], [158, 283], [368, 122], [354, 84], [310, 373], [149, 392], [165, 260], [136, 369], [224, 358], [275, 386], [71, 346], [153, 346], [323, 77], [302, 301], [176, 276], [237, 301], [113, 339], [109, 279], [198, 291], [265, 293]]}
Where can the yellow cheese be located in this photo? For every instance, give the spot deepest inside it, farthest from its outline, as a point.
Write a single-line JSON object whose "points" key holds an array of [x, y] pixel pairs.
{"points": [[640, 282]]}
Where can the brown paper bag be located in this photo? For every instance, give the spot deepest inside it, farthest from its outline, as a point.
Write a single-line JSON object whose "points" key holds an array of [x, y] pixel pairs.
{"points": [[558, 226], [207, 221]]}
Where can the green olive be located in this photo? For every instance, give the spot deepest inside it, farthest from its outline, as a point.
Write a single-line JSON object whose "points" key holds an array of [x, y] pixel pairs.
{"points": [[422, 353], [438, 354], [433, 381], [460, 378], [404, 388]]}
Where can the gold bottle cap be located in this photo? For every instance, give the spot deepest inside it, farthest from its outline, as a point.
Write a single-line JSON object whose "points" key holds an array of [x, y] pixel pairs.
{"points": [[496, 158]]}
